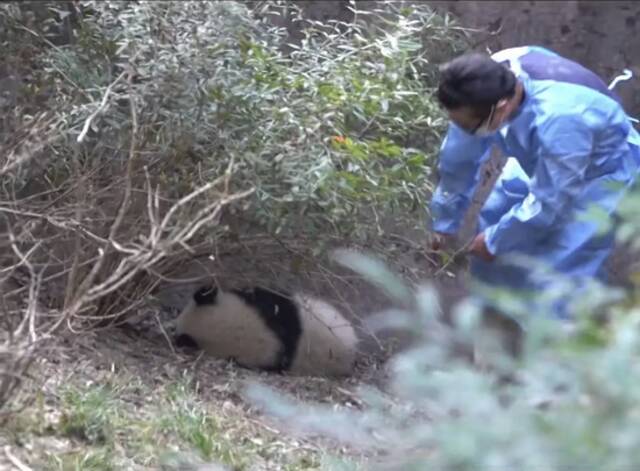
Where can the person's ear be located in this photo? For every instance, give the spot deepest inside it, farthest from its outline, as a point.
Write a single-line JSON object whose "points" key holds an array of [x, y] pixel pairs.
{"points": [[502, 104], [502, 109]]}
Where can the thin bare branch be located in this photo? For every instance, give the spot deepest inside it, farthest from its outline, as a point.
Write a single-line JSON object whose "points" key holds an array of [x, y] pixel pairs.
{"points": [[164, 334], [15, 461], [157, 231], [101, 107], [209, 213], [126, 199]]}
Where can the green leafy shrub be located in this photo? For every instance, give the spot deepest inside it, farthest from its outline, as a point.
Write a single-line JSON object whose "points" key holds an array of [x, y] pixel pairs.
{"points": [[150, 101], [343, 124]]}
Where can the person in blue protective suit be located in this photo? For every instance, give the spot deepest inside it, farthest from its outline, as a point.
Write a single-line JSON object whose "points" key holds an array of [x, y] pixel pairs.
{"points": [[571, 148]]}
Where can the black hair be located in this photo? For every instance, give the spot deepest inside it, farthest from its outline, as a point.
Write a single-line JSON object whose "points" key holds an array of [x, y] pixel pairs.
{"points": [[474, 80]]}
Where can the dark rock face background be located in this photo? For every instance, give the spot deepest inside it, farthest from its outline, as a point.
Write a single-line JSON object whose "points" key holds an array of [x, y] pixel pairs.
{"points": [[604, 36]]}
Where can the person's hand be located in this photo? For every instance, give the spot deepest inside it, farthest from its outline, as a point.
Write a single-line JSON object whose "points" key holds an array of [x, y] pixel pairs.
{"points": [[479, 248], [441, 241]]}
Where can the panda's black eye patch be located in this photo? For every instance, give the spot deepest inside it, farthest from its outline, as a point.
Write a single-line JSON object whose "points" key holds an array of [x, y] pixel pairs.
{"points": [[206, 295]]}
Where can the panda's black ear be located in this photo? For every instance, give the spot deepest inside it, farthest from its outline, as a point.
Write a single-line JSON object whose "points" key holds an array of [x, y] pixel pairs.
{"points": [[205, 295]]}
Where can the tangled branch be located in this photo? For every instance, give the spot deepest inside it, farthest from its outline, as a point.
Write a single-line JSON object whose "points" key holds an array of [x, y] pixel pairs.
{"points": [[116, 257]]}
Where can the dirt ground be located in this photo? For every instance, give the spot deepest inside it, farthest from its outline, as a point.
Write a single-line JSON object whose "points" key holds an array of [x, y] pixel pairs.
{"points": [[140, 370], [74, 386]]}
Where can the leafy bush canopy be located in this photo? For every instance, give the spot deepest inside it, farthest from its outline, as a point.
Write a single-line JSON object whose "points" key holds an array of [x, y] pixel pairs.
{"points": [[341, 125]]}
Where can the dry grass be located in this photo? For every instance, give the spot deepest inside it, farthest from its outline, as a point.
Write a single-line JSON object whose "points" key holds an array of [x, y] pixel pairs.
{"points": [[112, 401]]}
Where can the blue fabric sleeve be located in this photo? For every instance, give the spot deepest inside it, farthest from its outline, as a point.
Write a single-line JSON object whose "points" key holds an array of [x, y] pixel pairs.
{"points": [[461, 156], [563, 153]]}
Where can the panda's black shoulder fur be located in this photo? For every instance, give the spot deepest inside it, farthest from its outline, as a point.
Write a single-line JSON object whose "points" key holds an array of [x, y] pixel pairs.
{"points": [[278, 311]]}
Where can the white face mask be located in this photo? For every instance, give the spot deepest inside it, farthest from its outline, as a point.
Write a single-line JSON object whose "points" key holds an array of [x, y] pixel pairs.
{"points": [[483, 132], [483, 129]]}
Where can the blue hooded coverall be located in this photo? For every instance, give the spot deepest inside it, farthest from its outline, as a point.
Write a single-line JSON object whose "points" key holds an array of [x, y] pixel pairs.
{"points": [[568, 141]]}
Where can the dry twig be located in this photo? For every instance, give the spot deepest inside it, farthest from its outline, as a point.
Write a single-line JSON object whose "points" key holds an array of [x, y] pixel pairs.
{"points": [[15, 461]]}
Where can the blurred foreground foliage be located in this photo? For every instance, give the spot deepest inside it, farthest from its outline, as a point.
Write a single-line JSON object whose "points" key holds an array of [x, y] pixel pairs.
{"points": [[571, 400]]}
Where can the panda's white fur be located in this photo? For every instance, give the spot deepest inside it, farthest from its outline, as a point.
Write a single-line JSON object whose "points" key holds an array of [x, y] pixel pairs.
{"points": [[259, 328]]}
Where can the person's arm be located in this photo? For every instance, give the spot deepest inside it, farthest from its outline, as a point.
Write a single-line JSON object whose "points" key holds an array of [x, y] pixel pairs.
{"points": [[461, 156], [564, 147]]}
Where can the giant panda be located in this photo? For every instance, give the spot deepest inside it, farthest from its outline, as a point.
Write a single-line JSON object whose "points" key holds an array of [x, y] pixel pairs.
{"points": [[261, 329]]}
